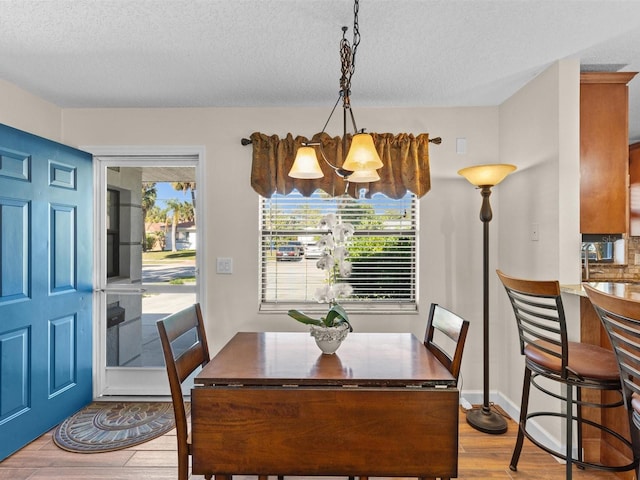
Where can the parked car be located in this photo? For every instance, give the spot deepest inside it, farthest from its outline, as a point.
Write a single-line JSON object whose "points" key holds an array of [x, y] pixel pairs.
{"points": [[298, 245], [313, 251], [289, 252]]}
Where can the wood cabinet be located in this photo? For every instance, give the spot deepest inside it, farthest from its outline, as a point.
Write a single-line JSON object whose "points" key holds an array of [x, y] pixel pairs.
{"points": [[604, 152], [634, 189]]}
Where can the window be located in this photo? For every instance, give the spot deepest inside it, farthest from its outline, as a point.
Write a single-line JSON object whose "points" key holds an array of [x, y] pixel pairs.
{"points": [[383, 251]]}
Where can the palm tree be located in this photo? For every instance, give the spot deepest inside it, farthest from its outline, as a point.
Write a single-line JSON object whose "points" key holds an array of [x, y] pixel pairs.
{"points": [[186, 187], [187, 212], [149, 195], [175, 207]]}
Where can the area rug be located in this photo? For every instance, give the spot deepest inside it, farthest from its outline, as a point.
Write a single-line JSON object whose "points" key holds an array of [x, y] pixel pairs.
{"points": [[108, 426]]}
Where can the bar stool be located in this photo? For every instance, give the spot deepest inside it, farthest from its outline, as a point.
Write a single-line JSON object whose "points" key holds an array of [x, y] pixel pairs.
{"points": [[621, 320], [548, 353]]}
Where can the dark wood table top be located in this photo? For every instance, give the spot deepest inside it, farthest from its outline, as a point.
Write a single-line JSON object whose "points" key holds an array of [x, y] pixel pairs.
{"points": [[288, 358]]}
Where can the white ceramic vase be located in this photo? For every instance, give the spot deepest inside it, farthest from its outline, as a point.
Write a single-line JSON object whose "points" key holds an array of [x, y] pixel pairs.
{"points": [[329, 339]]}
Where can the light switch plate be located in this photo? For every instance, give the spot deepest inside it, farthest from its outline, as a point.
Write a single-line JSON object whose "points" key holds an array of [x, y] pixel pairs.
{"points": [[224, 265], [535, 232]]}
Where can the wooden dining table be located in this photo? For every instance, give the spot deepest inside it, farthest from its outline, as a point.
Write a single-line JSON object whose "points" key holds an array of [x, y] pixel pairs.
{"points": [[270, 403]]}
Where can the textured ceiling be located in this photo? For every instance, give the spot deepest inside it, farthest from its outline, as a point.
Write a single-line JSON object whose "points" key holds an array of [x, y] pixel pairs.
{"points": [[197, 53]]}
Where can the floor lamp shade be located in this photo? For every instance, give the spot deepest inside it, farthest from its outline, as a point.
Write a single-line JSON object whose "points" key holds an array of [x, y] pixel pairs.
{"points": [[486, 176]]}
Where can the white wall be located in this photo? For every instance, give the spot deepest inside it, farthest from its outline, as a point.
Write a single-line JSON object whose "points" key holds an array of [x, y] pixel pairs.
{"points": [[232, 206], [451, 232], [539, 132], [21, 110]]}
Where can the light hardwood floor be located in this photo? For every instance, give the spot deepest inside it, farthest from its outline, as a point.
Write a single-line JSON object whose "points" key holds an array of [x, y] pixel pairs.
{"points": [[481, 456]]}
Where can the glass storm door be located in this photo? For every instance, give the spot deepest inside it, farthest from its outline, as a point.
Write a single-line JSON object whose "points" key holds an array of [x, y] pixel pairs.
{"points": [[148, 241]]}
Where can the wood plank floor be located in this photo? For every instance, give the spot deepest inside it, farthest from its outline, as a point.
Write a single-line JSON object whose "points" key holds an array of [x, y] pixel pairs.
{"points": [[481, 456]]}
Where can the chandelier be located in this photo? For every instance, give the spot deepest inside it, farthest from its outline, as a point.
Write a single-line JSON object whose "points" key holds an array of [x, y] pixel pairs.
{"points": [[362, 159]]}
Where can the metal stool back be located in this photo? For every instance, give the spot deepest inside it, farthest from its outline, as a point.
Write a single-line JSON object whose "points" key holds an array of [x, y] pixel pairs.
{"points": [[621, 320]]}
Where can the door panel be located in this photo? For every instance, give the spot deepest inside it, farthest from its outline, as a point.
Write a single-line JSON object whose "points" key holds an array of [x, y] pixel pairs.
{"points": [[46, 256]]}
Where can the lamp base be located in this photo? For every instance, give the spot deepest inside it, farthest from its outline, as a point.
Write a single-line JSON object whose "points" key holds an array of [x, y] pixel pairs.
{"points": [[486, 421]]}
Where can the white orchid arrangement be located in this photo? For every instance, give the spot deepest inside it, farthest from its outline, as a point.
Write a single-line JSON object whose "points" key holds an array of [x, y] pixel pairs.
{"points": [[334, 261]]}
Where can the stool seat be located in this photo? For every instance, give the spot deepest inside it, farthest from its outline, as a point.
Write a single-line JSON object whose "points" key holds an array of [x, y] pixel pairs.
{"points": [[590, 362]]}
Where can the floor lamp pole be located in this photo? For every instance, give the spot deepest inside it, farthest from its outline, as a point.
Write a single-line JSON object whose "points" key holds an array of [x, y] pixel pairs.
{"points": [[484, 419]]}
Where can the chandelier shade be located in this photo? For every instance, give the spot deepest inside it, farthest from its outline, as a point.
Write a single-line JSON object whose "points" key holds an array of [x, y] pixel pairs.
{"points": [[306, 164], [362, 154], [364, 176]]}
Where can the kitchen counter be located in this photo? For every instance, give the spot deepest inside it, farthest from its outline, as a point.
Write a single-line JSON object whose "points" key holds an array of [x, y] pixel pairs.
{"points": [[573, 289], [628, 290]]}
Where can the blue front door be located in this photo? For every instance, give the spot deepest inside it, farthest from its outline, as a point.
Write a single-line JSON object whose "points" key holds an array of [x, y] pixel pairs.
{"points": [[46, 257]]}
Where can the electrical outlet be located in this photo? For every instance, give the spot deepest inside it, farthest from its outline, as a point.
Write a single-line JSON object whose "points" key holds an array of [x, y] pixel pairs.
{"points": [[535, 232], [224, 265]]}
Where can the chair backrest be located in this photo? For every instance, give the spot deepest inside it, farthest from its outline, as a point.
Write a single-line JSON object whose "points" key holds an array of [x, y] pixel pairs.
{"points": [[182, 364], [537, 305], [455, 328], [621, 320]]}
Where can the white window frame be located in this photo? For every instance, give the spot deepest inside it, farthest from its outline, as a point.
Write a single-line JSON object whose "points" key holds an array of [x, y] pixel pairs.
{"points": [[269, 304]]}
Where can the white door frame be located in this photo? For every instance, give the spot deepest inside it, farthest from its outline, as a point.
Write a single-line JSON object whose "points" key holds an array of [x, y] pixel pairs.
{"points": [[151, 381]]}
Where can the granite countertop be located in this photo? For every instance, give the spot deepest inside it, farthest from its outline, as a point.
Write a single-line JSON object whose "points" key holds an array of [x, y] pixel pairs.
{"points": [[573, 289], [619, 289]]}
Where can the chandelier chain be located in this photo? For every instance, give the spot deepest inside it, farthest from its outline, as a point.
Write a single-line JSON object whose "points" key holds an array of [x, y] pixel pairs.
{"points": [[348, 65], [348, 54]]}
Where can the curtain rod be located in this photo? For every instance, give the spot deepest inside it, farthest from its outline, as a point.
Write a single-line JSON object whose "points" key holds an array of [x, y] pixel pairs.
{"points": [[436, 140]]}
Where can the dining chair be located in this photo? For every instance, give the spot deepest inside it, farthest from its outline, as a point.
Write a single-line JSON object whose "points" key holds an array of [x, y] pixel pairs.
{"points": [[549, 355], [453, 327], [448, 352], [180, 364], [621, 320], [444, 323]]}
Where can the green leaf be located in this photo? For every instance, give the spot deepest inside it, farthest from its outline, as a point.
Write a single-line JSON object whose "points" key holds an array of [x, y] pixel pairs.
{"points": [[304, 318], [337, 316]]}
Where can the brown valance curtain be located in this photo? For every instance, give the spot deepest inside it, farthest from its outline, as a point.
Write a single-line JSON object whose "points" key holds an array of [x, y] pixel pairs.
{"points": [[405, 158]]}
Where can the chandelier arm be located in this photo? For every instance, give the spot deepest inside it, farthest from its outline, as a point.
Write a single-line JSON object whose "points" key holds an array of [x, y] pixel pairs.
{"points": [[341, 172], [353, 122], [331, 114]]}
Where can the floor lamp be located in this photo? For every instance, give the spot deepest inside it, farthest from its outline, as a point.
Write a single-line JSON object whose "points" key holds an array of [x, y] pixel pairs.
{"points": [[484, 177]]}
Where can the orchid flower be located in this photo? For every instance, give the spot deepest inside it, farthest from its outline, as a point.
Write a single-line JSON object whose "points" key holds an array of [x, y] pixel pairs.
{"points": [[334, 262]]}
